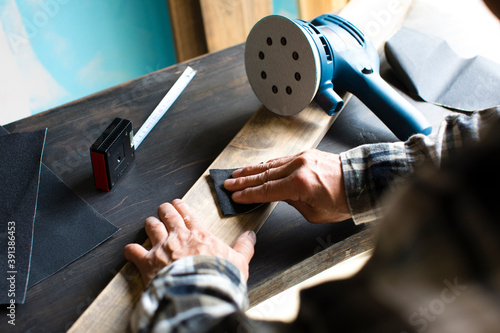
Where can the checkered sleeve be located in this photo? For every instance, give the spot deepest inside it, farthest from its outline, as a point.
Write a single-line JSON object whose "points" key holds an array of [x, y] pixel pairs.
{"points": [[192, 294], [370, 171]]}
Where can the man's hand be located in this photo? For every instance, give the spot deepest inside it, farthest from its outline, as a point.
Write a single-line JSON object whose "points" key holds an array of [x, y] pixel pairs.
{"points": [[177, 234], [311, 181]]}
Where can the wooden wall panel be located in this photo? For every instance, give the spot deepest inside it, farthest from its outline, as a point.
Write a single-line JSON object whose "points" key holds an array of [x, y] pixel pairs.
{"points": [[309, 9], [228, 22], [187, 28]]}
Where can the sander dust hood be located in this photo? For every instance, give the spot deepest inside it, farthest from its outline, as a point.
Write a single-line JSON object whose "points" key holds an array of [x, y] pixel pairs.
{"points": [[290, 62]]}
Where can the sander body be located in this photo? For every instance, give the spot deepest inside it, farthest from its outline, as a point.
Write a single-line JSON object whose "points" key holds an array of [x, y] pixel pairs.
{"points": [[290, 62]]}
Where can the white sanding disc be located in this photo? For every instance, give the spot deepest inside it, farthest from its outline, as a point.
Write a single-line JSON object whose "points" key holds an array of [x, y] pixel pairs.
{"points": [[282, 65]]}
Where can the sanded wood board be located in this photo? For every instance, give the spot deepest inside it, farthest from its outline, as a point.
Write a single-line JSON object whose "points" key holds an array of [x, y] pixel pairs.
{"points": [[263, 137]]}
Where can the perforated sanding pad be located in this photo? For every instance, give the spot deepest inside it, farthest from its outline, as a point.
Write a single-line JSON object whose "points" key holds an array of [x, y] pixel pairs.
{"points": [[282, 65]]}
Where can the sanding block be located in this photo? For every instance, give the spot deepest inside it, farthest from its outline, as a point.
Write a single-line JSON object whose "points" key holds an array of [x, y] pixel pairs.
{"points": [[290, 62]]}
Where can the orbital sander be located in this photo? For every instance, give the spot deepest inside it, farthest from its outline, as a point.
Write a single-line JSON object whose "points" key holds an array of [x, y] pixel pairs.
{"points": [[290, 62]]}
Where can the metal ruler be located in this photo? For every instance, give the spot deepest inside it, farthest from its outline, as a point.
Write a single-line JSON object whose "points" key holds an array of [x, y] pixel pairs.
{"points": [[164, 105]]}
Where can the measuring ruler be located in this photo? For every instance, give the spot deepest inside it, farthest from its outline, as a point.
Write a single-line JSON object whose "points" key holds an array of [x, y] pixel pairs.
{"points": [[164, 105]]}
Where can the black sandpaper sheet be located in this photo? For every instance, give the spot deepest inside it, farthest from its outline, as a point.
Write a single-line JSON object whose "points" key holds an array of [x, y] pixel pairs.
{"points": [[432, 71], [66, 227], [20, 160], [227, 206]]}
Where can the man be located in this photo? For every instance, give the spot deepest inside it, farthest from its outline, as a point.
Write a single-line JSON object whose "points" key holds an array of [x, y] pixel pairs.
{"points": [[435, 268]]}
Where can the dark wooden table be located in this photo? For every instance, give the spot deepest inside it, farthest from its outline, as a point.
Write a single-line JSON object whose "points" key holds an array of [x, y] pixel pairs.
{"points": [[213, 108]]}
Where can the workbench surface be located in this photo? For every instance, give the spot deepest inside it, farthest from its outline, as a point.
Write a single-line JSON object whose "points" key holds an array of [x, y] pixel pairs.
{"points": [[212, 109]]}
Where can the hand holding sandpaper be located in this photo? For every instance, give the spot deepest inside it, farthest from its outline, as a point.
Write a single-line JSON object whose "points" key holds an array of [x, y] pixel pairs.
{"points": [[310, 181], [227, 206]]}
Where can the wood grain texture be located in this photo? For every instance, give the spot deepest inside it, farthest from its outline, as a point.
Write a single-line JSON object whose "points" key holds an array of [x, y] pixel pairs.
{"points": [[187, 29], [228, 22], [309, 9], [264, 136]]}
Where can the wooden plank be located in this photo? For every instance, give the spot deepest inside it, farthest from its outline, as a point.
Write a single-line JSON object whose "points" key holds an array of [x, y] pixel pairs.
{"points": [[264, 136], [356, 244], [187, 28], [309, 9], [228, 22]]}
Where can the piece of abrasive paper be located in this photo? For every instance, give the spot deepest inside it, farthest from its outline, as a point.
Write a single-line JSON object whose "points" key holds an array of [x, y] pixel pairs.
{"points": [[66, 227], [227, 206], [431, 70], [20, 160]]}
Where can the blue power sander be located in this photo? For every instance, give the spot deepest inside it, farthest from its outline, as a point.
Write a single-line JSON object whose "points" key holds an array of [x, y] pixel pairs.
{"points": [[290, 62]]}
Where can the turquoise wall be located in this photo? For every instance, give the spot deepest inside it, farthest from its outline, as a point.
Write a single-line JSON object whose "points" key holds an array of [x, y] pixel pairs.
{"points": [[286, 8], [90, 45]]}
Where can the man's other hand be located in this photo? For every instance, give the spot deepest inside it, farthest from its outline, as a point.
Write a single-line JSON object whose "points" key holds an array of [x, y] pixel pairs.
{"points": [[178, 234]]}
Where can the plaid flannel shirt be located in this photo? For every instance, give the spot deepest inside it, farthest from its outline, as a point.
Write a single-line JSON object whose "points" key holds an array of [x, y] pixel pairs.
{"points": [[189, 294], [200, 293], [373, 170]]}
